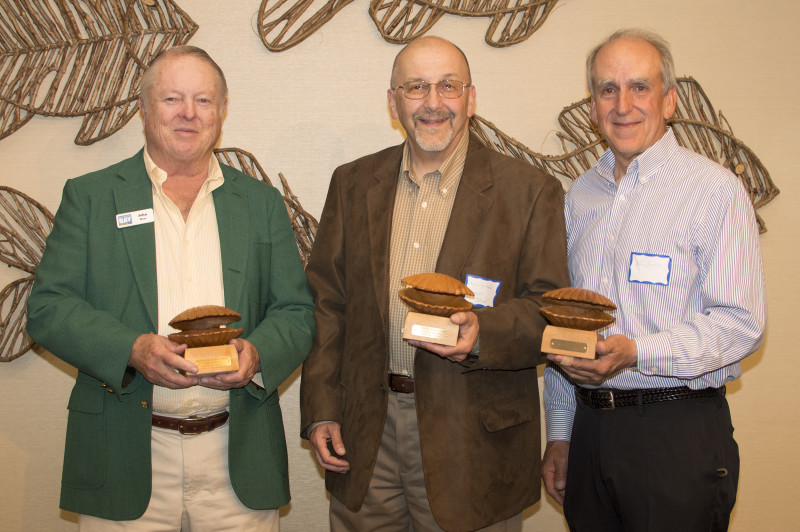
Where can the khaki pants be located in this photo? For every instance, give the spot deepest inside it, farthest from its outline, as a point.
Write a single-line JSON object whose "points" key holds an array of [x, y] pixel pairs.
{"points": [[396, 499], [192, 490]]}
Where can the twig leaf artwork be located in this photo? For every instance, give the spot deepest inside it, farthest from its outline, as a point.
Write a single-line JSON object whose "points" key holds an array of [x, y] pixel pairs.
{"points": [[70, 58], [276, 18], [25, 224], [696, 124], [286, 23]]}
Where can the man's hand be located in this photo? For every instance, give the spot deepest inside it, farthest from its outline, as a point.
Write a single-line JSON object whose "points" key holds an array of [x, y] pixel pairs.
{"points": [[554, 469], [249, 364], [467, 336], [614, 354], [159, 359], [319, 438]]}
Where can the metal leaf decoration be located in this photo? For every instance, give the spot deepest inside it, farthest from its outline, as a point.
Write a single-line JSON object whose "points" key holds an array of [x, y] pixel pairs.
{"points": [[286, 23], [69, 58], [24, 226], [696, 124]]}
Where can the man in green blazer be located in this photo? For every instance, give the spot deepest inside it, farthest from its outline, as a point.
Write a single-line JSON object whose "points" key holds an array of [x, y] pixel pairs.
{"points": [[426, 436], [132, 246]]}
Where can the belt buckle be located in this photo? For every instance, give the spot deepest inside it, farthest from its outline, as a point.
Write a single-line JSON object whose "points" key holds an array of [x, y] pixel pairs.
{"points": [[610, 394], [182, 428]]}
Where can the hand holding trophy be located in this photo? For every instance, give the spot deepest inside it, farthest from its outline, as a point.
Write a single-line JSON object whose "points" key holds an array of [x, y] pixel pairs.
{"points": [[575, 314]]}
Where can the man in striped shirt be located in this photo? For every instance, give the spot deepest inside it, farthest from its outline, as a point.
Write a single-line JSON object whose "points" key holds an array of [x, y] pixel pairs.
{"points": [[641, 438]]}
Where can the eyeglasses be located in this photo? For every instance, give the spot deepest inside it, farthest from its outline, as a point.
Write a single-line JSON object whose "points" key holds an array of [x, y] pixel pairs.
{"points": [[448, 88]]}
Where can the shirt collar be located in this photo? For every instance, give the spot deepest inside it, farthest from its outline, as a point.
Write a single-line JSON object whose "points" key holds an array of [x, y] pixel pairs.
{"points": [[450, 171], [645, 165], [158, 176]]}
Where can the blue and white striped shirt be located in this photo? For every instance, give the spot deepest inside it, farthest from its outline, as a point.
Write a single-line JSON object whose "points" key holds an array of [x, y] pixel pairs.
{"points": [[675, 246]]}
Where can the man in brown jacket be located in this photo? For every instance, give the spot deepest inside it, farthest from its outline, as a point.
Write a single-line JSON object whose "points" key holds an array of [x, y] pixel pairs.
{"points": [[414, 434]]}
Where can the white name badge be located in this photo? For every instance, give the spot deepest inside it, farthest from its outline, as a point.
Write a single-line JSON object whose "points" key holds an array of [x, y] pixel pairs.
{"points": [[129, 219], [485, 290], [651, 269]]}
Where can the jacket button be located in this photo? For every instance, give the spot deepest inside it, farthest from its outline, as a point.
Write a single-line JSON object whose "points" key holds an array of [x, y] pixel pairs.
{"points": [[109, 390], [103, 385], [145, 404]]}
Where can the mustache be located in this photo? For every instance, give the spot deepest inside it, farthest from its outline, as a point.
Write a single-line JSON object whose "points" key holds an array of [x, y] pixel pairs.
{"points": [[434, 117]]}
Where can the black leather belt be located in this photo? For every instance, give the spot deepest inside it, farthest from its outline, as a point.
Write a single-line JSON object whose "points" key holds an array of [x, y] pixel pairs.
{"points": [[191, 425], [401, 383], [610, 399]]}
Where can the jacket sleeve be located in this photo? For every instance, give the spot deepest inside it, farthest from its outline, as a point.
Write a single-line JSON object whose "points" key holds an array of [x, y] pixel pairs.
{"points": [[510, 333], [61, 317]]}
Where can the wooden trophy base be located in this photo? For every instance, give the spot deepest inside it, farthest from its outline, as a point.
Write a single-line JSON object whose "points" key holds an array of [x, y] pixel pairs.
{"points": [[569, 342], [213, 359], [427, 328]]}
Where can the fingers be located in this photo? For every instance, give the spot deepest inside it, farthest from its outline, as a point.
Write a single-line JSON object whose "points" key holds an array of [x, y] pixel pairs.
{"points": [[159, 360], [249, 364], [328, 446]]}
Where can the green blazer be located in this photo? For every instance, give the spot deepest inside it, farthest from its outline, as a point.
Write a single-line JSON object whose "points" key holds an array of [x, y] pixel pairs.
{"points": [[95, 293]]}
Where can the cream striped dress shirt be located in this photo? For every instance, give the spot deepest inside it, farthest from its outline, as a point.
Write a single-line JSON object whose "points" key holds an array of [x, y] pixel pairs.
{"points": [[189, 272], [421, 213]]}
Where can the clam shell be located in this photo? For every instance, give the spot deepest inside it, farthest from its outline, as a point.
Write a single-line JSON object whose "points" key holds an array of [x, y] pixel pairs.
{"points": [[578, 297], [574, 317], [204, 317], [434, 303], [437, 282], [204, 337]]}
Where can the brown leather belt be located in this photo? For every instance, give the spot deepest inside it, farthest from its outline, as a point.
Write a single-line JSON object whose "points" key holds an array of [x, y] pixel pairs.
{"points": [[191, 425], [605, 399], [401, 383]]}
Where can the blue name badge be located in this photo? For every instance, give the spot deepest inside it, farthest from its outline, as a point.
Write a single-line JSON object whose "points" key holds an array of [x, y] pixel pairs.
{"points": [[649, 269]]}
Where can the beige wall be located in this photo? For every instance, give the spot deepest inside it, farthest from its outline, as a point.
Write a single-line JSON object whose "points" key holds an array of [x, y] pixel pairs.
{"points": [[305, 111]]}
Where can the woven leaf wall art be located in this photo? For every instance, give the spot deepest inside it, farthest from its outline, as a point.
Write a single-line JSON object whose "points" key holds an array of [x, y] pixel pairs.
{"points": [[286, 23], [70, 58], [696, 124], [25, 224]]}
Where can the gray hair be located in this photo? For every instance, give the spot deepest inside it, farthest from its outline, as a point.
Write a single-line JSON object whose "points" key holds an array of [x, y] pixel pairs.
{"points": [[149, 76], [655, 40]]}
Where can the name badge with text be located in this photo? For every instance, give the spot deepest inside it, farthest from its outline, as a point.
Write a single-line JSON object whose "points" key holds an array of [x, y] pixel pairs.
{"points": [[129, 219]]}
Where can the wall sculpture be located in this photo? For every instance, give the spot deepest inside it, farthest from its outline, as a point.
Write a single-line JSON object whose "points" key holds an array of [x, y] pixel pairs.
{"points": [[286, 23], [70, 58]]}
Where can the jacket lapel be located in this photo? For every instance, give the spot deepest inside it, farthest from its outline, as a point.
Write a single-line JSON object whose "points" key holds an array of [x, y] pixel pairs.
{"points": [[231, 209], [380, 206], [470, 208], [133, 192]]}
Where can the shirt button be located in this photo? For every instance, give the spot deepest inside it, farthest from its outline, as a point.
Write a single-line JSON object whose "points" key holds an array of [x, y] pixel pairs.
{"points": [[444, 191], [611, 238], [424, 204], [654, 369], [416, 245], [605, 280]]}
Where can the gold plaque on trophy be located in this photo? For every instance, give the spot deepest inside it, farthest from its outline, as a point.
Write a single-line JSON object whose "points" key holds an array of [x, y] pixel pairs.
{"points": [[433, 298], [202, 330], [575, 314]]}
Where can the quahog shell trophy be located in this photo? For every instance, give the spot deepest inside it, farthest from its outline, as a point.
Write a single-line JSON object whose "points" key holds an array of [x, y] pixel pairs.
{"points": [[433, 298], [201, 329], [575, 313]]}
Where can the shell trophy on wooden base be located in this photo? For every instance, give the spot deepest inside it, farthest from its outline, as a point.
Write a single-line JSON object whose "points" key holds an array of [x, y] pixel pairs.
{"points": [[433, 298], [201, 329], [575, 314]]}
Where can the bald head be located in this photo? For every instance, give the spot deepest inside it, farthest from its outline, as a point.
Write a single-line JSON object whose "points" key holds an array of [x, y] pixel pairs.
{"points": [[418, 49]]}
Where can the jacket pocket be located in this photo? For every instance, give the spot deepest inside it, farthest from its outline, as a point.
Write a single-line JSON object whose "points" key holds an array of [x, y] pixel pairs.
{"points": [[508, 414], [85, 449]]}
